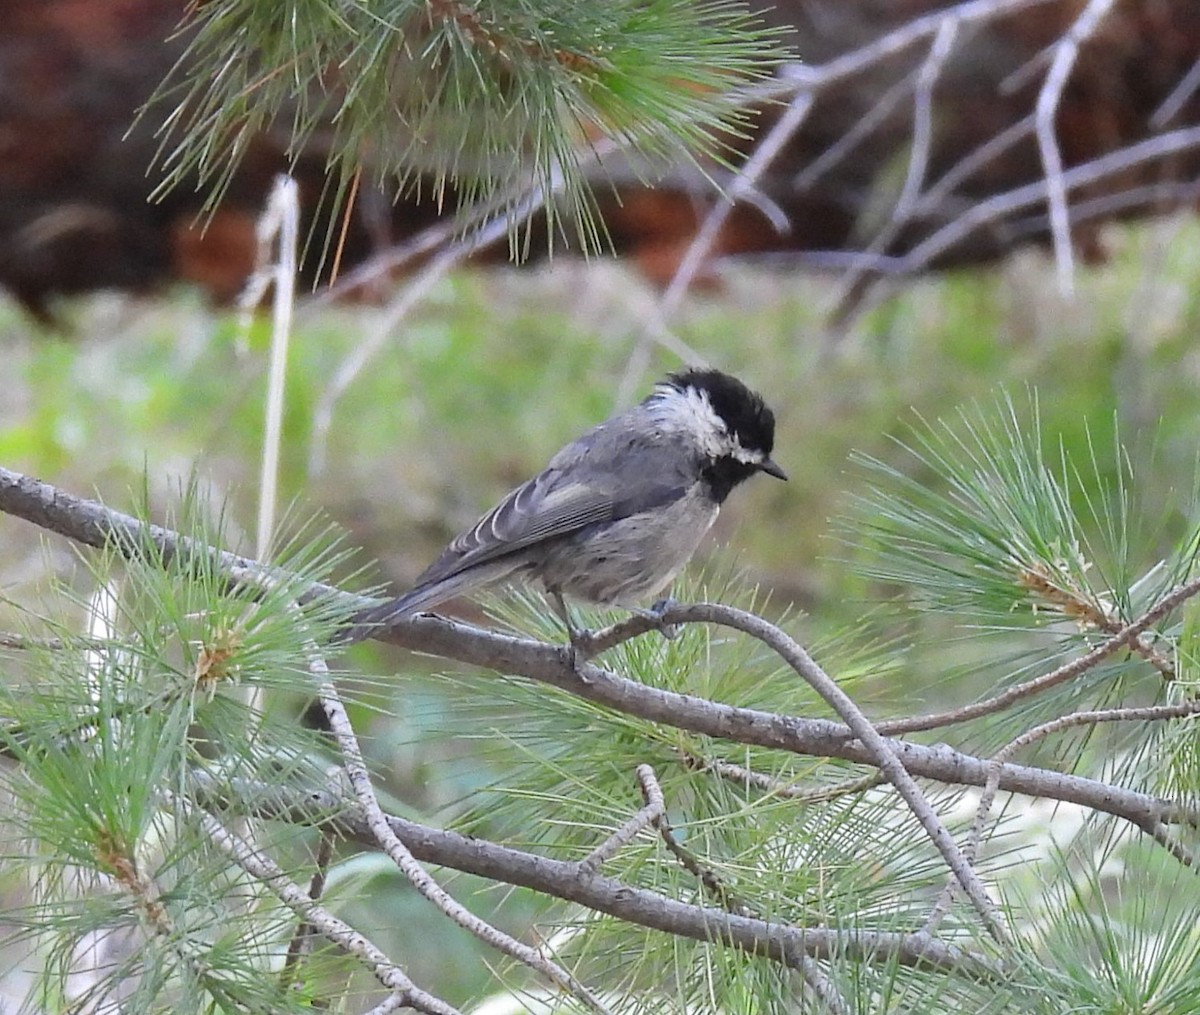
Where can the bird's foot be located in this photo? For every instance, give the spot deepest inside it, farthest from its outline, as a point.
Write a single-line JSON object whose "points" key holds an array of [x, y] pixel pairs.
{"points": [[655, 616]]}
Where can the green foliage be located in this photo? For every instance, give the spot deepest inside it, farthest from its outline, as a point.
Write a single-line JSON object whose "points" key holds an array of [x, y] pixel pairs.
{"points": [[146, 703], [526, 361], [565, 781], [481, 98]]}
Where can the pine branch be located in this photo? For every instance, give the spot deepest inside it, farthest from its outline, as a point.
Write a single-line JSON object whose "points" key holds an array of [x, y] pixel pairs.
{"points": [[93, 524], [578, 883]]}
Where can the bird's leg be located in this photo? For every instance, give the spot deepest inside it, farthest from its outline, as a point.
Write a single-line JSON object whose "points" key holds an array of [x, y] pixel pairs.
{"points": [[580, 638], [658, 611]]}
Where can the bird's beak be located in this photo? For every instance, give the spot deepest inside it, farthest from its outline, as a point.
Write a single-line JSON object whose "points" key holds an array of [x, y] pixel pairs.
{"points": [[771, 469]]}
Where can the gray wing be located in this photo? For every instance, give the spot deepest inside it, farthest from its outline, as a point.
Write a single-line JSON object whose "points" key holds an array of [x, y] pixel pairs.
{"points": [[604, 476]]}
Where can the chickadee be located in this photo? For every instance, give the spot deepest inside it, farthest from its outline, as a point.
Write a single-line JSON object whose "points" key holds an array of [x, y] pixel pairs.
{"points": [[617, 512]]}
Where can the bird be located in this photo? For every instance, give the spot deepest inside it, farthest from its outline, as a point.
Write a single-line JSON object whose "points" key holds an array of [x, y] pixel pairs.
{"points": [[616, 513]]}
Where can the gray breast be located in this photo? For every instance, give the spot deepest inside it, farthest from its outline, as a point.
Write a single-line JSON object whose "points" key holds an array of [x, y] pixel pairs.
{"points": [[629, 561]]}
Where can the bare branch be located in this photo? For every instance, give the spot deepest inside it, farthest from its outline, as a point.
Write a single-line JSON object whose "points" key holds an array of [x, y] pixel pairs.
{"points": [[421, 879], [922, 132], [572, 882], [304, 930], [713, 885], [1149, 713], [988, 211], [24, 643], [859, 131], [1178, 98], [901, 38], [743, 183], [623, 836], [1066, 52], [776, 787]]}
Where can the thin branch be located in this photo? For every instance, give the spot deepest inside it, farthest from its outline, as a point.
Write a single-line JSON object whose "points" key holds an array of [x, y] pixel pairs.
{"points": [[262, 868], [973, 161], [985, 212], [1167, 193], [280, 222], [853, 136], [707, 877], [305, 930], [401, 856], [93, 524], [1149, 713], [571, 882], [366, 350], [1066, 52], [918, 162], [1178, 98], [777, 787], [922, 132], [906, 35], [623, 836], [745, 181], [1159, 831], [24, 643], [1123, 638], [880, 751]]}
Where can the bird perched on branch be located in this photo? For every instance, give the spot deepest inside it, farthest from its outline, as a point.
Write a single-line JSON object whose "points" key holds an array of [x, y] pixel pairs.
{"points": [[618, 512]]}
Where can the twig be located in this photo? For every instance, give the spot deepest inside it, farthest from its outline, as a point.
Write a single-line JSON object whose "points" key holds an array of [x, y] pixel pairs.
{"points": [[349, 369], [623, 836], [974, 160], [1123, 638], [984, 213], [825, 989], [918, 163], [707, 877], [1150, 713], [262, 868], [851, 138], [922, 132], [304, 930], [898, 40], [880, 751], [279, 223], [1066, 52], [777, 787], [24, 643], [495, 221], [1174, 102], [567, 880], [390, 843], [746, 180], [1171, 193]]}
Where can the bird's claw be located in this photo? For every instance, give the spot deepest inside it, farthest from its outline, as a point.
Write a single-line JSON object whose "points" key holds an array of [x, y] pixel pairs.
{"points": [[656, 614]]}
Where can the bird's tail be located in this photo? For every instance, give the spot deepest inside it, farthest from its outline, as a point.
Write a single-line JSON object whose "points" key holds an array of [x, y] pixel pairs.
{"points": [[373, 619]]}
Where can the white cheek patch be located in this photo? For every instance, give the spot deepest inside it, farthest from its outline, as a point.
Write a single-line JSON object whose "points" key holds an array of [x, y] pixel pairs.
{"points": [[750, 456], [691, 412]]}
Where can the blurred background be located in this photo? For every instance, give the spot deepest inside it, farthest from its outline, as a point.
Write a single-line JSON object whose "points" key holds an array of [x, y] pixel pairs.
{"points": [[895, 258]]}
